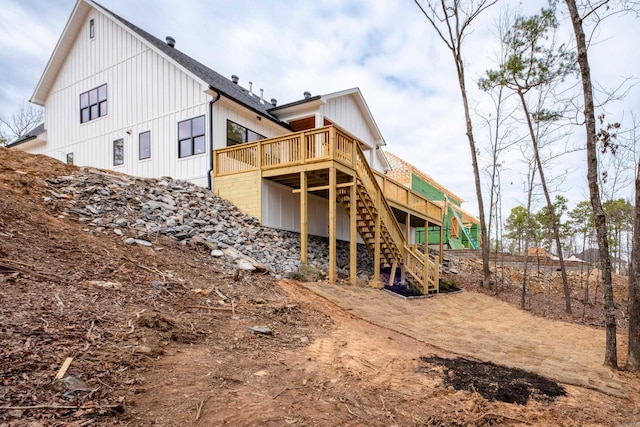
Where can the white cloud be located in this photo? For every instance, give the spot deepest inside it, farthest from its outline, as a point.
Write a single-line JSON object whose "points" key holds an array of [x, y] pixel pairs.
{"points": [[387, 49]]}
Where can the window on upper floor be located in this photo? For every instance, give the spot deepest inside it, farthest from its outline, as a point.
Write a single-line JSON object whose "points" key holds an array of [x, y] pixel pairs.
{"points": [[93, 104], [191, 137], [92, 28], [118, 152], [238, 134], [144, 145], [69, 158]]}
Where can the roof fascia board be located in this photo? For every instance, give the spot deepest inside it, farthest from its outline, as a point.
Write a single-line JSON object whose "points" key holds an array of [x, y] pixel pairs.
{"points": [[62, 48], [297, 110], [105, 12], [246, 109]]}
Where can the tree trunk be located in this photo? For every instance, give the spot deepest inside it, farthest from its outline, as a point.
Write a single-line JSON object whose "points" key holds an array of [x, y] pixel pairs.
{"points": [[611, 353], [633, 355], [486, 272], [552, 211]]}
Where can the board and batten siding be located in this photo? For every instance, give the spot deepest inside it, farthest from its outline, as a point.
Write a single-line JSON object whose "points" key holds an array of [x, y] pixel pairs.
{"points": [[345, 112], [281, 209], [145, 92], [225, 109]]}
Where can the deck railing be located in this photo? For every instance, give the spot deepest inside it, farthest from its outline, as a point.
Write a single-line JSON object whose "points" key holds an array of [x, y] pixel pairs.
{"points": [[398, 193], [315, 145], [299, 148]]}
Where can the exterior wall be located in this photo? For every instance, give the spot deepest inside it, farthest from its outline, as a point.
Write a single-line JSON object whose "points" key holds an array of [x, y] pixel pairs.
{"points": [[225, 109], [376, 161], [344, 112], [243, 189], [145, 92], [281, 209]]}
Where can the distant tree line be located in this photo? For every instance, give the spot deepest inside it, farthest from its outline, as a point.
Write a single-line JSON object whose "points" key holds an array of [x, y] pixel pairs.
{"points": [[577, 231]]}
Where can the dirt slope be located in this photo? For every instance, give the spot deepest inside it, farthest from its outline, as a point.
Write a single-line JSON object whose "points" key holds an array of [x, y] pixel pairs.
{"points": [[149, 350]]}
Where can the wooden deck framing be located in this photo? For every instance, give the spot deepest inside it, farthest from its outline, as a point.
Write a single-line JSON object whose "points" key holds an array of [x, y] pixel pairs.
{"points": [[329, 161]]}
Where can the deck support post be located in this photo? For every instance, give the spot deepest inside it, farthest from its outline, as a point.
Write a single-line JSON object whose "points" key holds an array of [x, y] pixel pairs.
{"points": [[408, 228], [332, 225], [392, 276], [304, 218], [425, 247], [353, 232], [442, 240]]}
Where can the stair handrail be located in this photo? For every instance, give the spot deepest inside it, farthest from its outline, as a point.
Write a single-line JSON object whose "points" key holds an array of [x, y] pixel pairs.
{"points": [[373, 186]]}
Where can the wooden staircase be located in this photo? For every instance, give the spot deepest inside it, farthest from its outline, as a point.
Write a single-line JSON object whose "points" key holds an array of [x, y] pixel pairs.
{"points": [[371, 207]]}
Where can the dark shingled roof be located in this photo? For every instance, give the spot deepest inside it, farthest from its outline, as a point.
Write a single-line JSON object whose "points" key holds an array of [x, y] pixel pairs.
{"points": [[217, 81], [33, 133]]}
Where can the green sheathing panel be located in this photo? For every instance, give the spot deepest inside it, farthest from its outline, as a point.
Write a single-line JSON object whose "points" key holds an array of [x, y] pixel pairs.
{"points": [[422, 187], [456, 244], [434, 232], [434, 235], [475, 233]]}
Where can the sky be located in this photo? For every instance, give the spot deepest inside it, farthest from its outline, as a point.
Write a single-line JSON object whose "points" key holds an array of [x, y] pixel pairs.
{"points": [[384, 47]]}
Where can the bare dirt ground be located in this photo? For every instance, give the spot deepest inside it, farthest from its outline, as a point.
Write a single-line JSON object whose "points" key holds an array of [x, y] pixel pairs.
{"points": [[149, 350]]}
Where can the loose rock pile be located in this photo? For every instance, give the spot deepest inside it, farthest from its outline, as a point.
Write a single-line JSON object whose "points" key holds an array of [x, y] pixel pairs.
{"points": [[138, 209]]}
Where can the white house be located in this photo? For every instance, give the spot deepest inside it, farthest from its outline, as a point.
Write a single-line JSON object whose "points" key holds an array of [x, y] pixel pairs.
{"points": [[116, 97]]}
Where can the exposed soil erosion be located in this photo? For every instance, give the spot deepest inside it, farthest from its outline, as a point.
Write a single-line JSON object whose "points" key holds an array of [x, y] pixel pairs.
{"points": [[495, 382]]}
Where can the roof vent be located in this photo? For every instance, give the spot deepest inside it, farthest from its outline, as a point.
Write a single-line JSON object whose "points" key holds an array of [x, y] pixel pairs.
{"points": [[235, 79], [171, 41], [250, 88], [274, 102], [261, 96], [307, 94]]}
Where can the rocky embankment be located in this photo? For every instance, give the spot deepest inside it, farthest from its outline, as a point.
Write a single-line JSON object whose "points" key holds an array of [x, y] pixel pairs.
{"points": [[139, 209]]}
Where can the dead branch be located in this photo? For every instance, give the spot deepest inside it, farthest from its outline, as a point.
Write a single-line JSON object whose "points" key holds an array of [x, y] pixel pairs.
{"points": [[221, 295], [155, 271], [64, 367], [199, 407], [280, 392], [351, 412], [89, 337], [211, 308], [21, 267]]}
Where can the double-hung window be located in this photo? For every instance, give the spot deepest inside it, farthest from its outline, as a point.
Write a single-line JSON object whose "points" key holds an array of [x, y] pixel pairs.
{"points": [[191, 137], [93, 104]]}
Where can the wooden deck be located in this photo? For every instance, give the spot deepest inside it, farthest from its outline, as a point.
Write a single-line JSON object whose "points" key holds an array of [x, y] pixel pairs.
{"points": [[330, 162]]}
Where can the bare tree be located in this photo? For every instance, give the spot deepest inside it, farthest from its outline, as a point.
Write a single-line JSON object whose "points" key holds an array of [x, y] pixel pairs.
{"points": [[19, 123], [633, 355], [451, 21], [611, 354], [535, 63]]}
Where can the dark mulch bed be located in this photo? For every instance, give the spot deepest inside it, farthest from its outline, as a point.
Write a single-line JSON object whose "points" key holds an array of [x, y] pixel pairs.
{"points": [[495, 382]]}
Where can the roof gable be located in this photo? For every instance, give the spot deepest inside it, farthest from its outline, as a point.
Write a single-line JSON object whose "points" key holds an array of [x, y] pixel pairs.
{"points": [[197, 70], [364, 109]]}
